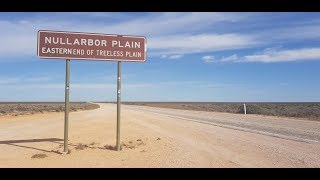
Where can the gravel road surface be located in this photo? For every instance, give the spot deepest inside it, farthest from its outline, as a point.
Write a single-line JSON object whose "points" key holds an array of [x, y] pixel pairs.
{"points": [[158, 137]]}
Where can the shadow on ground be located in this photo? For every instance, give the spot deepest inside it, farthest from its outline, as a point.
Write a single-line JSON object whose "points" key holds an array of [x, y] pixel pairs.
{"points": [[16, 142]]}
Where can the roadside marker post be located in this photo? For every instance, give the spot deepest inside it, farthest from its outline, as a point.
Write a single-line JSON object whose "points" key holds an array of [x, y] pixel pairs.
{"points": [[245, 109], [90, 46]]}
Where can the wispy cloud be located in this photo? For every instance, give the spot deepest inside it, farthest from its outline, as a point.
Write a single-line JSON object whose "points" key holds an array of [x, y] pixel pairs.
{"points": [[176, 56], [271, 56], [163, 56], [112, 15], [230, 58], [168, 23], [289, 34], [188, 44], [208, 58], [168, 34], [18, 37]]}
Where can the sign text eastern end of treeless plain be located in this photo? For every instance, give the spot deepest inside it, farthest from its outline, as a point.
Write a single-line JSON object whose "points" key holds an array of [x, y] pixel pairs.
{"points": [[90, 46]]}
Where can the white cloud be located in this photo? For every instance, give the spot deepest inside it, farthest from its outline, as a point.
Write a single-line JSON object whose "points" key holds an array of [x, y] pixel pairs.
{"points": [[112, 15], [230, 58], [18, 37], [167, 33], [208, 58], [187, 44], [165, 23], [163, 56], [289, 34], [176, 56], [271, 56]]}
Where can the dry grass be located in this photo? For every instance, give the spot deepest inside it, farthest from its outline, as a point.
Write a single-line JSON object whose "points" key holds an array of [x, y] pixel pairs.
{"points": [[39, 156], [109, 147], [81, 146], [16, 109]]}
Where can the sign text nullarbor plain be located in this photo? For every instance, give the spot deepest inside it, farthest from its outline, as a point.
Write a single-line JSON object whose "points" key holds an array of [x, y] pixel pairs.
{"points": [[90, 46], [91, 42]]}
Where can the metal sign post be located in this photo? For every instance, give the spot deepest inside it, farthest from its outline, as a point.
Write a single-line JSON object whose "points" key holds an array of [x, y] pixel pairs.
{"points": [[66, 112], [118, 104]]}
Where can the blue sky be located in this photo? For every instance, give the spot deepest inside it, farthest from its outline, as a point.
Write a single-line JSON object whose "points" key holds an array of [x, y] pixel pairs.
{"points": [[190, 57]]}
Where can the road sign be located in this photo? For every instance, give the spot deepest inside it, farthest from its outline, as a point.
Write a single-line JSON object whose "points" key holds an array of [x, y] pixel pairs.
{"points": [[90, 46]]}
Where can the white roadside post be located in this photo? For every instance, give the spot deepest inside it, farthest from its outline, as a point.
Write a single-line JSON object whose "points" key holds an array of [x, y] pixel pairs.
{"points": [[245, 109]]}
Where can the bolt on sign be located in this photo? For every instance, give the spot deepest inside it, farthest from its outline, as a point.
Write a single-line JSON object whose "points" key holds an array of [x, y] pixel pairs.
{"points": [[90, 46]]}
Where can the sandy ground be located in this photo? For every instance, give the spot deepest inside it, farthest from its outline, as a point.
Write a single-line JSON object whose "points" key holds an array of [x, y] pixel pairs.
{"points": [[158, 137]]}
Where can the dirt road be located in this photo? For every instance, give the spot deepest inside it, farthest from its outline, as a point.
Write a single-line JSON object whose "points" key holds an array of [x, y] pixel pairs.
{"points": [[158, 137]]}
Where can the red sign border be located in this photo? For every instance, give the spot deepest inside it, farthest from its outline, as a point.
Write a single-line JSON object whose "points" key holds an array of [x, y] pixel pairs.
{"points": [[85, 33]]}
